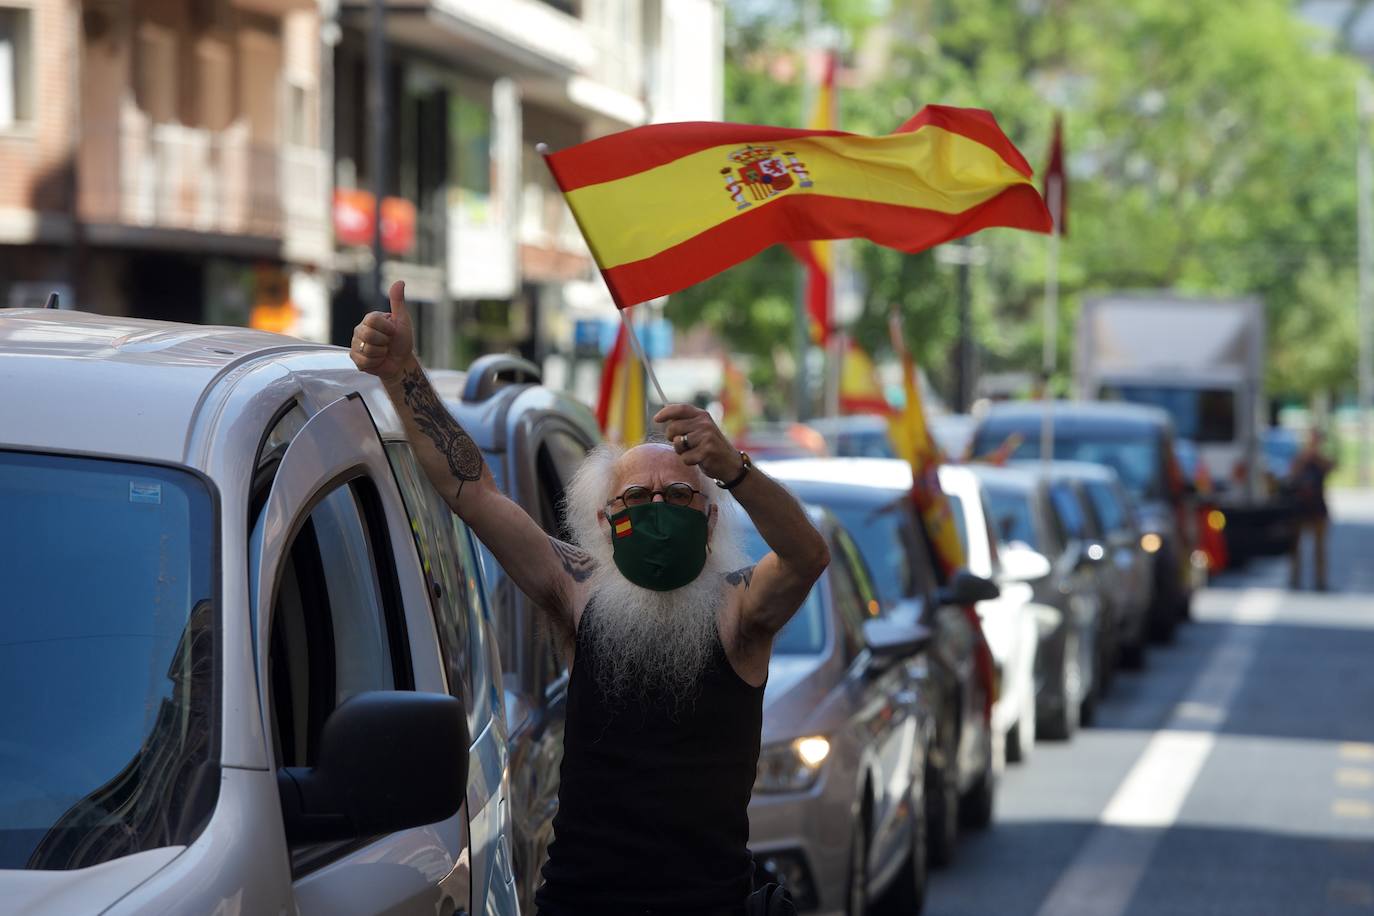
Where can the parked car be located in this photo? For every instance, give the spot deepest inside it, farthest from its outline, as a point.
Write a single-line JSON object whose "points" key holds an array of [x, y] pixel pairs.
{"points": [[1066, 600], [855, 436], [533, 439], [263, 674], [1009, 621], [872, 499], [1111, 516], [838, 810], [1137, 442]]}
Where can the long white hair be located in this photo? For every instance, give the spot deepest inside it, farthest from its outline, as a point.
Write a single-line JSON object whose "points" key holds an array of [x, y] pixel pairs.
{"points": [[646, 639]]}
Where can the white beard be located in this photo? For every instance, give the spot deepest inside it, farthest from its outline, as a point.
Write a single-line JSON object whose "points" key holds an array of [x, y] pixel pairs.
{"points": [[649, 641]]}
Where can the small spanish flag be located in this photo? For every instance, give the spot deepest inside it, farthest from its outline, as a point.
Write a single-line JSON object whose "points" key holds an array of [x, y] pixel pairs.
{"points": [[667, 205], [622, 527]]}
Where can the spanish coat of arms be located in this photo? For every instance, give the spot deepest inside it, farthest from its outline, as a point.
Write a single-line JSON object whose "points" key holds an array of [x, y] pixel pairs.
{"points": [[762, 173]]}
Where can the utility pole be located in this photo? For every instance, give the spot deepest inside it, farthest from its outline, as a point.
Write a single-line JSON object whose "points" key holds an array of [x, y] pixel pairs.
{"points": [[379, 129], [1364, 184]]}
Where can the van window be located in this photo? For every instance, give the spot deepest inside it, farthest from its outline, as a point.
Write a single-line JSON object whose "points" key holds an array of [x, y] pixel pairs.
{"points": [[439, 535], [108, 715], [1072, 521], [844, 591], [336, 624]]}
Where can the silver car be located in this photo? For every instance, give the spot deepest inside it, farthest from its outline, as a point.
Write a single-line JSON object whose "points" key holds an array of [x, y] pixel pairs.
{"points": [[245, 661], [838, 811]]}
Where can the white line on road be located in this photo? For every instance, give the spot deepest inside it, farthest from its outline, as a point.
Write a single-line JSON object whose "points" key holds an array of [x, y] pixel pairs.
{"points": [[1103, 877]]}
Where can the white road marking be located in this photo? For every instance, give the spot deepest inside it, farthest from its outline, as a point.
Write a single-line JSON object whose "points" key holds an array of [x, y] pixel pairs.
{"points": [[1353, 778], [1102, 878]]}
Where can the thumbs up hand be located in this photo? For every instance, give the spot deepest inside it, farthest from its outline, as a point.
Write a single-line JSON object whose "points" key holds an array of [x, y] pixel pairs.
{"points": [[383, 344]]}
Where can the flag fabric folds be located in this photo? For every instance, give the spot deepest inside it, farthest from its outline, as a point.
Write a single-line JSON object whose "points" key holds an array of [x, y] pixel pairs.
{"points": [[860, 389], [914, 444], [668, 205], [620, 406], [1056, 191], [816, 256], [734, 396]]}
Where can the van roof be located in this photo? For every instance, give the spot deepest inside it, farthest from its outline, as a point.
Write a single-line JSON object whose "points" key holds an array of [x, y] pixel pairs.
{"points": [[1112, 417], [118, 386]]}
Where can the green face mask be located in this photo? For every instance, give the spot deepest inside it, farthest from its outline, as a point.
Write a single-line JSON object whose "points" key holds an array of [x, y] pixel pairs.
{"points": [[659, 546]]}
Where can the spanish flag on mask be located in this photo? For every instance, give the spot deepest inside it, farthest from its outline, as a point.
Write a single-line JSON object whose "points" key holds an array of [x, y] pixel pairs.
{"points": [[668, 205]]}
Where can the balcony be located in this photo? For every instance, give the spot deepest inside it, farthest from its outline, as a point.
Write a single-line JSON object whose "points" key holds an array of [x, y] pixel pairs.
{"points": [[201, 187]]}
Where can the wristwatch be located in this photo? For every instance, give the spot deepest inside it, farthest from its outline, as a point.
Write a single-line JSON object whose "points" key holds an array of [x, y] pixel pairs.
{"points": [[743, 472]]}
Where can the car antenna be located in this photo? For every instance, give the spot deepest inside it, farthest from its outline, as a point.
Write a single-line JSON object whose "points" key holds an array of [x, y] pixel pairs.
{"points": [[52, 302]]}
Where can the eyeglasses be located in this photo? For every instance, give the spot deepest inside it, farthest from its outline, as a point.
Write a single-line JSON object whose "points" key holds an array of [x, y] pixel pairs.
{"points": [[675, 494]]}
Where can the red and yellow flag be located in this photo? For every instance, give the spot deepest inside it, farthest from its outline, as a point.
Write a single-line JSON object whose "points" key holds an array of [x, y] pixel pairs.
{"points": [[860, 389], [620, 406], [914, 443], [668, 205], [816, 255], [734, 397]]}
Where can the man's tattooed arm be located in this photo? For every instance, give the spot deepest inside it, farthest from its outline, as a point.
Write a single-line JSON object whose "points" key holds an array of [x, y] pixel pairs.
{"points": [[433, 419], [740, 576], [576, 563]]}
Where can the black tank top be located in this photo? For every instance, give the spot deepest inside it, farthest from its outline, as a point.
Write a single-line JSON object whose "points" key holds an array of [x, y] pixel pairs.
{"points": [[653, 804]]}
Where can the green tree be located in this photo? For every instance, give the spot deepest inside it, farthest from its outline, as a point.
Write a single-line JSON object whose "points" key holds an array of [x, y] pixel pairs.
{"points": [[1211, 150]]}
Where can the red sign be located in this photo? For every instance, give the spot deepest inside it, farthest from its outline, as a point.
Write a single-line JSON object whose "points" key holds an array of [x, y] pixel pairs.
{"points": [[354, 216]]}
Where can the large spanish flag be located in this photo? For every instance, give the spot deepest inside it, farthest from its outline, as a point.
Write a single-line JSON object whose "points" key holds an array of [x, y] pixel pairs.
{"points": [[668, 205]]}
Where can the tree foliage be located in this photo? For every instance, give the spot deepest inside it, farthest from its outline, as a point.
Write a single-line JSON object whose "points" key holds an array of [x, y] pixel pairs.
{"points": [[1211, 151]]}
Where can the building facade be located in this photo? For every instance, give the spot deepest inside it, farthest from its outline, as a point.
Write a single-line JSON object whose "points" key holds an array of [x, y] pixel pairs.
{"points": [[163, 158], [496, 262]]}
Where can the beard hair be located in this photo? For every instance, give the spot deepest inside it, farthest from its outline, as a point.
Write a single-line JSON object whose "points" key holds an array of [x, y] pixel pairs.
{"points": [[650, 643]]}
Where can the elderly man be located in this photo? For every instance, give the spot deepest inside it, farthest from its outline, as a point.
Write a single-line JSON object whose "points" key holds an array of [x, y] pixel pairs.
{"points": [[667, 629]]}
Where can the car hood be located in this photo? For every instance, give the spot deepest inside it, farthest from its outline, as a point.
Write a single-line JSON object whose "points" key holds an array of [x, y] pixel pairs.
{"points": [[786, 673], [80, 890]]}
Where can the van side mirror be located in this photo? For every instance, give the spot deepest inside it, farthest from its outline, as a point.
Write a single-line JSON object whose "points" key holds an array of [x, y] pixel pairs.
{"points": [[388, 761], [967, 589]]}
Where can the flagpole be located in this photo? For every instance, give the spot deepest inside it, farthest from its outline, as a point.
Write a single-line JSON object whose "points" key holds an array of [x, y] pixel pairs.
{"points": [[1053, 190], [643, 356]]}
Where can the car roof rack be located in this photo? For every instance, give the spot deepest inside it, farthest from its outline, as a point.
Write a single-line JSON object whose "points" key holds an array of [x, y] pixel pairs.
{"points": [[487, 373]]}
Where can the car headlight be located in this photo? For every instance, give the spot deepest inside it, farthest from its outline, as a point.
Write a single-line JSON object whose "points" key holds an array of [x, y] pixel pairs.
{"points": [[791, 767], [1151, 542]]}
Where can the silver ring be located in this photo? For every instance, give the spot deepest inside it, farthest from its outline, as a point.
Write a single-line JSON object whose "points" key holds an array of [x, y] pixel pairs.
{"points": [[362, 347], [685, 445]]}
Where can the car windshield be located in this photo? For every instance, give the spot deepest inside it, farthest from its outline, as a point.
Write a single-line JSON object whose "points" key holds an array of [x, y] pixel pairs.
{"points": [[1199, 414], [106, 660], [884, 538], [1010, 512], [867, 443], [804, 634], [1135, 456]]}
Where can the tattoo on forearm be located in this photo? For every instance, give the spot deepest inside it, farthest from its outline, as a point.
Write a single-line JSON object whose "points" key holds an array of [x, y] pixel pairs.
{"points": [[745, 576], [576, 563], [463, 457]]}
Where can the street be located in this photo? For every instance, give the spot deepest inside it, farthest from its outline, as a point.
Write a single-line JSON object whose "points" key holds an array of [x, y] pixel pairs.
{"points": [[1234, 776]]}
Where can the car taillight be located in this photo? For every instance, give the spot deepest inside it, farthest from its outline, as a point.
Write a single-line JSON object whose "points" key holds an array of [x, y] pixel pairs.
{"points": [[1240, 472]]}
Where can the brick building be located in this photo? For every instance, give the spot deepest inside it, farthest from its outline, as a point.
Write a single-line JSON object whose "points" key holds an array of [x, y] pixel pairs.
{"points": [[164, 158]]}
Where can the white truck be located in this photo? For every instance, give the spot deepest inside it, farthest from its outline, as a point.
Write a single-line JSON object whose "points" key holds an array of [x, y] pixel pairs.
{"points": [[1200, 359]]}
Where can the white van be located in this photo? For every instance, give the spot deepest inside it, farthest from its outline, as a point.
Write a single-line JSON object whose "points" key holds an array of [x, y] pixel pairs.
{"points": [[246, 663]]}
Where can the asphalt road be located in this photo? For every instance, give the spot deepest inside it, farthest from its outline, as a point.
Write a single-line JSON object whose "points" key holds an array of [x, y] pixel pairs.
{"points": [[1235, 775]]}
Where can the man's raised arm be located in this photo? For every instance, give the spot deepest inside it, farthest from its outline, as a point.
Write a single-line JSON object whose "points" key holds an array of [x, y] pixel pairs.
{"points": [[551, 572], [778, 584]]}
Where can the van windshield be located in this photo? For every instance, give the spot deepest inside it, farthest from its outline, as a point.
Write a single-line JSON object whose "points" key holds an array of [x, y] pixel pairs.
{"points": [[1199, 414], [107, 660]]}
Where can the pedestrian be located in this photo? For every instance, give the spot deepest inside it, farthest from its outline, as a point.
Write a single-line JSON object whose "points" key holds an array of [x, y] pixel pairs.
{"points": [[1308, 482], [666, 628]]}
